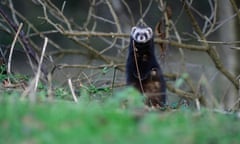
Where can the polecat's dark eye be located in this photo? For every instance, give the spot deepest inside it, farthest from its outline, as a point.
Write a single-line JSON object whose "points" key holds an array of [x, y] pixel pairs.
{"points": [[137, 35], [141, 35], [145, 35], [142, 69]]}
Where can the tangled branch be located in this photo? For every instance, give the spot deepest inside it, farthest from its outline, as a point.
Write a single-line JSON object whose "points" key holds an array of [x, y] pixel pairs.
{"points": [[102, 39]]}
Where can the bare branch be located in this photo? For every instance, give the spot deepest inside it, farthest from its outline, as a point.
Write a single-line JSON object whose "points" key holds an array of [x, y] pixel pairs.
{"points": [[210, 50], [12, 47]]}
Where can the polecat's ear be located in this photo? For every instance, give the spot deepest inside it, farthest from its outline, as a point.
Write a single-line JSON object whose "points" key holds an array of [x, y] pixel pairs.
{"points": [[133, 30], [150, 32]]}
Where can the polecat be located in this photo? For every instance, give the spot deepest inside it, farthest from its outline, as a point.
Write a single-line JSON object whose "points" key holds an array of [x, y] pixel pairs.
{"points": [[142, 69]]}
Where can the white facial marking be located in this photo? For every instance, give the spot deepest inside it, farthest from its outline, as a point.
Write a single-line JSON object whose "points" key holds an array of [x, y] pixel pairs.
{"points": [[141, 35]]}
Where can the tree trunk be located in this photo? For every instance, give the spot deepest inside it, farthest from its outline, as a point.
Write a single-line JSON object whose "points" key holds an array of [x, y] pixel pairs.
{"points": [[228, 33]]}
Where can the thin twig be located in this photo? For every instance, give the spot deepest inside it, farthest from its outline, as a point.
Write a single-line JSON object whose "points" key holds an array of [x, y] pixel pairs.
{"points": [[198, 104], [12, 47], [31, 54], [90, 66], [13, 12], [113, 79], [236, 9], [90, 14], [181, 93], [115, 17], [72, 90], [137, 67], [40, 64], [129, 12], [210, 50], [166, 18]]}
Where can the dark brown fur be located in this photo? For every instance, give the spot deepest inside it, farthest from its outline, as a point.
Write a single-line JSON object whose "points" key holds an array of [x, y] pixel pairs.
{"points": [[151, 77]]}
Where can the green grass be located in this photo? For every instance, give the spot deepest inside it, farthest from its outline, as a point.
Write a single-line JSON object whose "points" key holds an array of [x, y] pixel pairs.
{"points": [[113, 121]]}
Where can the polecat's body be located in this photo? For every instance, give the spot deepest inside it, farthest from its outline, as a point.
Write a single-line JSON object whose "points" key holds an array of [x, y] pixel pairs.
{"points": [[151, 82]]}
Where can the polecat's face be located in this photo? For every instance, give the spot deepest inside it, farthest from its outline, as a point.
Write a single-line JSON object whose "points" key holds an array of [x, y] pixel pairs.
{"points": [[141, 35]]}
